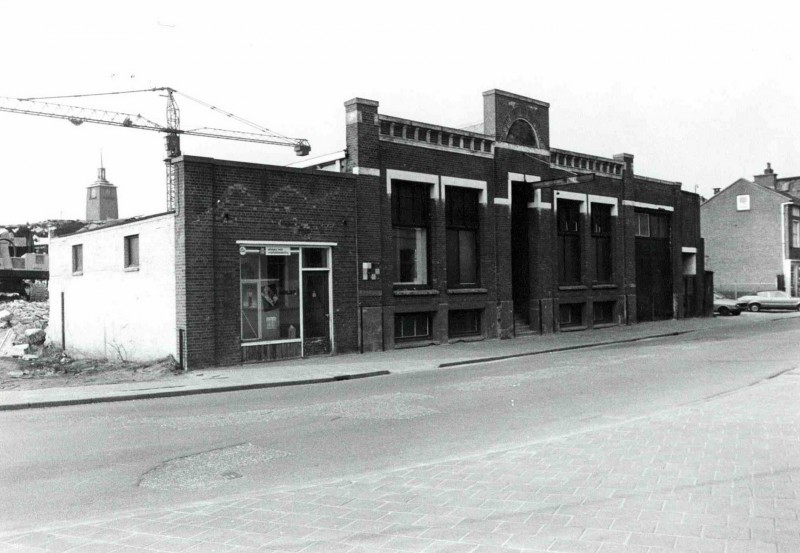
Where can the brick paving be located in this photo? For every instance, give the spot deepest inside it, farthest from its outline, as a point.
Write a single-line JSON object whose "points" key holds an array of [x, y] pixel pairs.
{"points": [[718, 476]]}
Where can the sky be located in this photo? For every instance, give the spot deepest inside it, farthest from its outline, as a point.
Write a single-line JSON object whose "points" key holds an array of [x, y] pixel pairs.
{"points": [[700, 92]]}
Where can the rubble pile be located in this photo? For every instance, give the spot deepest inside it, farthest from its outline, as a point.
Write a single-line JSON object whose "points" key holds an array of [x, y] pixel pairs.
{"points": [[22, 326]]}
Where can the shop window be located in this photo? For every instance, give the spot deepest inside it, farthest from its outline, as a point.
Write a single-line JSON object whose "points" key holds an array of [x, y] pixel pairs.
{"points": [[569, 238], [602, 231], [461, 214], [410, 219], [603, 312], [464, 322], [77, 259], [570, 315], [796, 234], [270, 297], [412, 326], [132, 251]]}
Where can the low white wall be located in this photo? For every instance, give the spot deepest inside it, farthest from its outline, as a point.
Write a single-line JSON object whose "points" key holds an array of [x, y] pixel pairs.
{"points": [[111, 311]]}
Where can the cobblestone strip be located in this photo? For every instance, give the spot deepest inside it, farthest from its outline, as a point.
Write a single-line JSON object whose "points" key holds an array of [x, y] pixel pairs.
{"points": [[722, 476]]}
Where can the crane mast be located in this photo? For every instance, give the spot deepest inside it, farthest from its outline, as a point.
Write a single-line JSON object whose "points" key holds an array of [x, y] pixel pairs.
{"points": [[78, 115]]}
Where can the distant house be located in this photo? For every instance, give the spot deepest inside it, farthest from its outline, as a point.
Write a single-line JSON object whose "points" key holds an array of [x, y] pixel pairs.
{"points": [[752, 235]]}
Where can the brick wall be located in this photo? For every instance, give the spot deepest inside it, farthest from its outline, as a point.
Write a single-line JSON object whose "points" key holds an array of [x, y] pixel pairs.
{"points": [[220, 202], [743, 247]]}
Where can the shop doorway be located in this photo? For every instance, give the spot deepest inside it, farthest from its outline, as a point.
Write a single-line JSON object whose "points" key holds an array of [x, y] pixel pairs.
{"points": [[316, 313]]}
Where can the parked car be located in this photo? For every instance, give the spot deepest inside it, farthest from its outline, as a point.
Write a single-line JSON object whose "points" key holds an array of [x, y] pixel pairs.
{"points": [[770, 299], [725, 306]]}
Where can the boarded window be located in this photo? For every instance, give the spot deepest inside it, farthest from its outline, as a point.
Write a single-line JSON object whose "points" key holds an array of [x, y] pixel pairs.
{"points": [[464, 322], [132, 251], [77, 258], [461, 214], [602, 227], [569, 238], [412, 326]]}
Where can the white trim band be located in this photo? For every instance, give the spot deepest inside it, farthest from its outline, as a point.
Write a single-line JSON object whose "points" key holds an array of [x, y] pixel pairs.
{"points": [[465, 183], [425, 178], [367, 171], [644, 205], [688, 249], [285, 243]]}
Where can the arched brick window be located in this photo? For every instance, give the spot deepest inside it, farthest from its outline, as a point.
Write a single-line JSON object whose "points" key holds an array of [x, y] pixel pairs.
{"points": [[522, 133]]}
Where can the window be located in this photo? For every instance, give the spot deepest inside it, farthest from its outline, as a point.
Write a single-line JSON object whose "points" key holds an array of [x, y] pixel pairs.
{"points": [[569, 237], [602, 226], [743, 202], [461, 214], [796, 234], [652, 225], [132, 251], [570, 314], [412, 326], [270, 298], [464, 322], [410, 219], [795, 211], [77, 259], [603, 312], [93, 193]]}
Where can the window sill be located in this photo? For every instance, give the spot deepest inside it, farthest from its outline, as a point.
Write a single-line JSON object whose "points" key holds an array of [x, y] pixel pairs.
{"points": [[131, 269], [467, 291], [471, 338], [415, 344], [604, 286], [416, 292], [268, 342], [573, 287], [573, 328], [604, 325]]}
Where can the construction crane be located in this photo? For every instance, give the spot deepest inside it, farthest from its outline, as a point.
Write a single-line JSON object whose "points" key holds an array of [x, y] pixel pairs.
{"points": [[78, 115]]}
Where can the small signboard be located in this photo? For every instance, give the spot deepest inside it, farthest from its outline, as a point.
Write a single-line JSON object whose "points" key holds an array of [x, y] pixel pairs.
{"points": [[278, 250]]}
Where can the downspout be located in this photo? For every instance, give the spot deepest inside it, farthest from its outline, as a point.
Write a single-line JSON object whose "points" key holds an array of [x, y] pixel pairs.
{"points": [[785, 263]]}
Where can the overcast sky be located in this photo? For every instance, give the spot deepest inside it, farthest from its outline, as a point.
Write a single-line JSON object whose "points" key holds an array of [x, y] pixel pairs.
{"points": [[699, 92]]}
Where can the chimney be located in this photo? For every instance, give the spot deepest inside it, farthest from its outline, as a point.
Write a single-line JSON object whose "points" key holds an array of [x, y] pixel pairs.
{"points": [[768, 179], [716, 191]]}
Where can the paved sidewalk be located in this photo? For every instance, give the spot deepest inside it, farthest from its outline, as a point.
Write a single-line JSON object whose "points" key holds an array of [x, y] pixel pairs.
{"points": [[339, 367], [715, 476]]}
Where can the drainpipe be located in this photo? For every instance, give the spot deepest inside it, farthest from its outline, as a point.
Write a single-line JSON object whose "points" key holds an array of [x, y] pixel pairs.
{"points": [[784, 257]]}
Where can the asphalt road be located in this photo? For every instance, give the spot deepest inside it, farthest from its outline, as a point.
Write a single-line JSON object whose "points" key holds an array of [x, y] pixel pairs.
{"points": [[74, 463]]}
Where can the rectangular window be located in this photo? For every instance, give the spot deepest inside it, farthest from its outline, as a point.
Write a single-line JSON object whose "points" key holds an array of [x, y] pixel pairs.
{"points": [[410, 204], [412, 326], [602, 227], [603, 312], [464, 322], [132, 251], [270, 298], [77, 259], [796, 234], [652, 225], [743, 202], [461, 215], [569, 237], [570, 314]]}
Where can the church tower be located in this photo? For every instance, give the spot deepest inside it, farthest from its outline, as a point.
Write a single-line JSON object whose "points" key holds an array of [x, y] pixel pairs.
{"points": [[101, 198]]}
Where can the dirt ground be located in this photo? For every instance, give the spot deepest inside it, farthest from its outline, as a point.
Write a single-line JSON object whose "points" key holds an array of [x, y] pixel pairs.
{"points": [[50, 372]]}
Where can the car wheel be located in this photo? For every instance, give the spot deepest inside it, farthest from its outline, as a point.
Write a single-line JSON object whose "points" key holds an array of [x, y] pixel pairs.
{"points": [[724, 311], [754, 307], [736, 313], [798, 306]]}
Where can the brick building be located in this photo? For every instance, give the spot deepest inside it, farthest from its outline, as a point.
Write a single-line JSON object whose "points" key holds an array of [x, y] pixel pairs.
{"points": [[419, 234], [752, 233]]}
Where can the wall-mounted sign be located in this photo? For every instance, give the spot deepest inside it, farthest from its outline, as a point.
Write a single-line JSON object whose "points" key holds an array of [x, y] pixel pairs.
{"points": [[277, 250]]}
